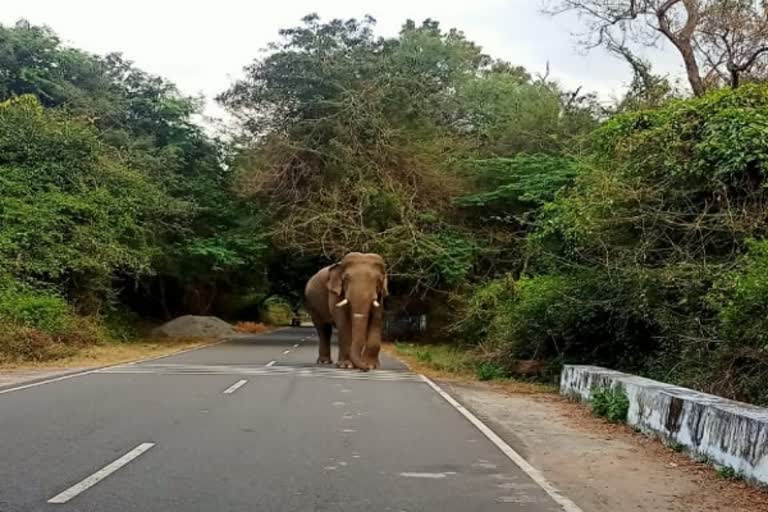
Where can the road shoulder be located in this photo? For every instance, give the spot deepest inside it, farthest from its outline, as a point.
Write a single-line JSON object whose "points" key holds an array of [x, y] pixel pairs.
{"points": [[601, 466]]}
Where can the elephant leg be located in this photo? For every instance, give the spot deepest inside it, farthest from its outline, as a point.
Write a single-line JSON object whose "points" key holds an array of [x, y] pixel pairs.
{"points": [[373, 343], [371, 355], [343, 331], [324, 332]]}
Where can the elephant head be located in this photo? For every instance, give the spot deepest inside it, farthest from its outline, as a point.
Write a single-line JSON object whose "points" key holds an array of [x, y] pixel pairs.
{"points": [[358, 286]]}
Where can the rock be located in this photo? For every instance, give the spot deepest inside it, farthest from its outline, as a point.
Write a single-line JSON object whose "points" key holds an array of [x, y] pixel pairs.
{"points": [[191, 326]]}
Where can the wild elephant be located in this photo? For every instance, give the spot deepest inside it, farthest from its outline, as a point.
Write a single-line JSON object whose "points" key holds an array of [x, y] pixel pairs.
{"points": [[349, 295]]}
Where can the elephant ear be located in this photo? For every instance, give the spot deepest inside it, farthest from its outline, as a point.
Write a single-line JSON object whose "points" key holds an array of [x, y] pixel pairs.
{"points": [[334, 278]]}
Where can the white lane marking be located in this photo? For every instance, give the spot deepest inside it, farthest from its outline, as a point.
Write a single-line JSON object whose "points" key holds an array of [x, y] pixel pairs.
{"points": [[286, 351], [271, 363], [234, 387], [427, 475], [296, 346], [100, 474], [535, 475]]}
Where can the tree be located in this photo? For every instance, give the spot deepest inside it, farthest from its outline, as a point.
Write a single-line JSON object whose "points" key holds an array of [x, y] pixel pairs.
{"points": [[349, 139], [734, 38], [72, 215], [716, 39], [208, 247]]}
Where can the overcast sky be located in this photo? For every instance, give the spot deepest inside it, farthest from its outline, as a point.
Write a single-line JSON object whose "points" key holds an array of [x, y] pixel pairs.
{"points": [[202, 45]]}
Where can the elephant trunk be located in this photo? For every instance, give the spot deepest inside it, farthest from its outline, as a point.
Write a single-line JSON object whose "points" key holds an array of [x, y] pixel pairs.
{"points": [[360, 319]]}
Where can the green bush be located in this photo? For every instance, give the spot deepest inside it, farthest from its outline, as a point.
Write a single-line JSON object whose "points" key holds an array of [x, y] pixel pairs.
{"points": [[583, 316], [610, 403], [72, 214], [742, 299], [41, 310], [490, 370], [276, 311]]}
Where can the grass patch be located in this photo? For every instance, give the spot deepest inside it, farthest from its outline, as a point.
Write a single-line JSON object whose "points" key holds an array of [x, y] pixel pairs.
{"points": [[443, 358], [728, 473], [450, 362], [111, 353], [676, 447], [611, 404], [488, 370]]}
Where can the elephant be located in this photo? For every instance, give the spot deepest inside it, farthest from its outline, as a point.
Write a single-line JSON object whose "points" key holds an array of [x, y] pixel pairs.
{"points": [[349, 295]]}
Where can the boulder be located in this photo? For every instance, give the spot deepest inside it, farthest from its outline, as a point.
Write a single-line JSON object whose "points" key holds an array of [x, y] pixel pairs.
{"points": [[192, 326]]}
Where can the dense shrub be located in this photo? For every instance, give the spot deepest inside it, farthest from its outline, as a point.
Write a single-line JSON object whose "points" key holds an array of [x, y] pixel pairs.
{"points": [[610, 403], [42, 310], [637, 264], [276, 311], [19, 343], [578, 317]]}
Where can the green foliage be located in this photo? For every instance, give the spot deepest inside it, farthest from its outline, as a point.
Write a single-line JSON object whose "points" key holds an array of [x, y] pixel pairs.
{"points": [[69, 211], [444, 357], [728, 473], [610, 403], [108, 188], [276, 311], [667, 200], [37, 309], [356, 142], [490, 370], [516, 188], [563, 317], [676, 447], [479, 307], [508, 114], [741, 299]]}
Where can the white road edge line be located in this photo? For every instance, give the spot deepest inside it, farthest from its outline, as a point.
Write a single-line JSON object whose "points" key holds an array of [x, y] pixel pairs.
{"points": [[533, 473], [96, 370], [271, 363], [100, 474], [234, 387]]}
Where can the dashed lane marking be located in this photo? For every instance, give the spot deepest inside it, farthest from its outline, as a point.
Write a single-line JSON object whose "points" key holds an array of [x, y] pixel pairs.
{"points": [[100, 475], [234, 387]]}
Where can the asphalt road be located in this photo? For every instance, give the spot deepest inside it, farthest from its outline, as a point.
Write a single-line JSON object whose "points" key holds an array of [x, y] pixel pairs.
{"points": [[251, 425]]}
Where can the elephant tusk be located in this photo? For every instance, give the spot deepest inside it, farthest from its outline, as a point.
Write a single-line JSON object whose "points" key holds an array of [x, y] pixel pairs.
{"points": [[376, 303], [342, 303]]}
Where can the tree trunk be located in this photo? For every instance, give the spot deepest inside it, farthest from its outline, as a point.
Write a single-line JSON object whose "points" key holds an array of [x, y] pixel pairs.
{"points": [[691, 68], [683, 39]]}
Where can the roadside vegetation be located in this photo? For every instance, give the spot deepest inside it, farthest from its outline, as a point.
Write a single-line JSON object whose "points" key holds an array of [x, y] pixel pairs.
{"points": [[533, 224]]}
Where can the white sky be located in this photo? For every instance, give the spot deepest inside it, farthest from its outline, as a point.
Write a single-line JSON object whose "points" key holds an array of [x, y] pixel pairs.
{"points": [[202, 45]]}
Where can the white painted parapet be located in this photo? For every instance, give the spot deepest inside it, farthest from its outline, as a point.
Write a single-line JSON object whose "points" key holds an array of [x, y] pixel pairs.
{"points": [[726, 432]]}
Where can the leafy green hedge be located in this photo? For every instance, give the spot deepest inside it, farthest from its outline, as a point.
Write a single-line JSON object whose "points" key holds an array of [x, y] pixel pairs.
{"points": [[654, 259]]}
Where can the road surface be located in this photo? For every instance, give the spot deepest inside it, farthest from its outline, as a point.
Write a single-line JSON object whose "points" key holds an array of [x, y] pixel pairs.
{"points": [[251, 425]]}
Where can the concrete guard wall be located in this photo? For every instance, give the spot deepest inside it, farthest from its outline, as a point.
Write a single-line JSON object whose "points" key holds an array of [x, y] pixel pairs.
{"points": [[726, 432]]}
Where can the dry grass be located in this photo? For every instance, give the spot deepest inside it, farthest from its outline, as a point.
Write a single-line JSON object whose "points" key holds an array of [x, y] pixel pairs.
{"points": [[115, 353], [453, 366], [251, 327]]}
